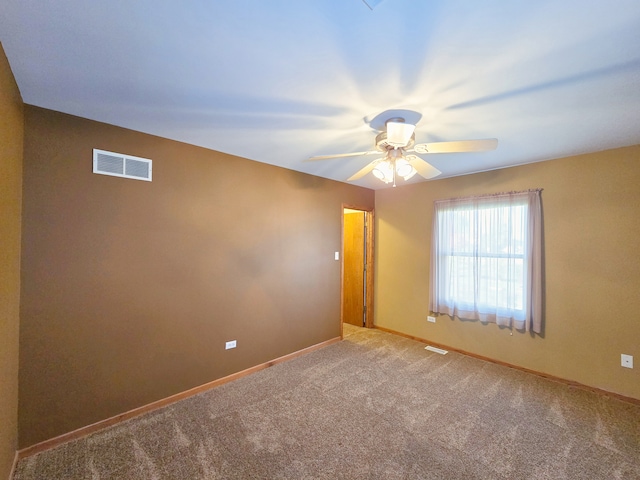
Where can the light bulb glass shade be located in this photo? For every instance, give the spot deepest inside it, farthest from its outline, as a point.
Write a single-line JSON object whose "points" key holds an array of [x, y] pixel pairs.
{"points": [[403, 168], [399, 133], [384, 171], [411, 174]]}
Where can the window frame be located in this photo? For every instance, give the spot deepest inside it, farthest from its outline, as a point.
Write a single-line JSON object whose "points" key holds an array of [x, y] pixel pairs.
{"points": [[524, 247]]}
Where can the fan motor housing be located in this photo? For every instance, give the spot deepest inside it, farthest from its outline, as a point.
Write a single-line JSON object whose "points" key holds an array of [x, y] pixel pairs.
{"points": [[383, 145]]}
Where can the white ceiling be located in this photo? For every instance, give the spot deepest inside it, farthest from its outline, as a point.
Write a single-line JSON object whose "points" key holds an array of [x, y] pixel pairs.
{"points": [[279, 81]]}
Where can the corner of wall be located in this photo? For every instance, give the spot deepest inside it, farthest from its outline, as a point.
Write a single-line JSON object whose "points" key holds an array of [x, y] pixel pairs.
{"points": [[11, 156]]}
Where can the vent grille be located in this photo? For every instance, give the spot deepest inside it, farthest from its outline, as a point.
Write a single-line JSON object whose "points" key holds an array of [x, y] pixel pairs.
{"points": [[119, 165], [436, 350]]}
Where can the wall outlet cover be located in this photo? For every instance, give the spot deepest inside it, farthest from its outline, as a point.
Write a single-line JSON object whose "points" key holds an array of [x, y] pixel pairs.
{"points": [[431, 319], [626, 360]]}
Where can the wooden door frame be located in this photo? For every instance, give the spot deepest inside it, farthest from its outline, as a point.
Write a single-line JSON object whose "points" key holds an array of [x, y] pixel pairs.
{"points": [[369, 242]]}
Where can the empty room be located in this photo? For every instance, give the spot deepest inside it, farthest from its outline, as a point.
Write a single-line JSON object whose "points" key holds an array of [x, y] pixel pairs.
{"points": [[325, 239]]}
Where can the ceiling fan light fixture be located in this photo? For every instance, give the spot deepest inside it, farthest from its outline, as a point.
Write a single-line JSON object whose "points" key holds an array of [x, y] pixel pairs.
{"points": [[404, 169], [396, 142], [398, 132], [411, 174], [384, 171]]}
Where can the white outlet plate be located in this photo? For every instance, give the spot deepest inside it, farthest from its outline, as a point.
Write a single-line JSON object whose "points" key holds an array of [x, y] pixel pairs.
{"points": [[231, 344], [626, 360], [431, 319], [336, 255]]}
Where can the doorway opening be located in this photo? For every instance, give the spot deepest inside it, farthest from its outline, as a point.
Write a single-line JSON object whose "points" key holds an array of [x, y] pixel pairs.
{"points": [[357, 266]]}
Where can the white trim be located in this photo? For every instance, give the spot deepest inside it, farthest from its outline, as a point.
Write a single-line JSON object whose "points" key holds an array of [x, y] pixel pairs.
{"points": [[14, 466]]}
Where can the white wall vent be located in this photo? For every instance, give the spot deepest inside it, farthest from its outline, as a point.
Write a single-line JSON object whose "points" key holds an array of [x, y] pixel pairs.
{"points": [[119, 165]]}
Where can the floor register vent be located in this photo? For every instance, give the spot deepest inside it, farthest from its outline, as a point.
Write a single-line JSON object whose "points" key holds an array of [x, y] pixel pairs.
{"points": [[436, 350], [119, 165]]}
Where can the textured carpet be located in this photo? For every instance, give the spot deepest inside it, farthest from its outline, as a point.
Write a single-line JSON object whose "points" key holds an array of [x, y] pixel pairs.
{"points": [[375, 406]]}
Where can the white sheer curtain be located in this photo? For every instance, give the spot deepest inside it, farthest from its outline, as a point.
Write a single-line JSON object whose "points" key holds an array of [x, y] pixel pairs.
{"points": [[486, 259]]}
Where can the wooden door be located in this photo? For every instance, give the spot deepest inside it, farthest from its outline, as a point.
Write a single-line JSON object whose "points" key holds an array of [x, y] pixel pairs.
{"points": [[354, 268]]}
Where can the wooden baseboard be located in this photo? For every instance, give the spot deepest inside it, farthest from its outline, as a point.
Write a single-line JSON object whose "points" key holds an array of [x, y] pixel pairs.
{"points": [[570, 383], [102, 424]]}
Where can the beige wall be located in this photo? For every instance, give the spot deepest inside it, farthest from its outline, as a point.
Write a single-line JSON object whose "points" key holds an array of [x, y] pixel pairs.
{"points": [[130, 289], [591, 208], [11, 142]]}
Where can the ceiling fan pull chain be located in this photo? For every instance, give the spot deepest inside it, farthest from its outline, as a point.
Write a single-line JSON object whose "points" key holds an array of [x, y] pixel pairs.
{"points": [[394, 172]]}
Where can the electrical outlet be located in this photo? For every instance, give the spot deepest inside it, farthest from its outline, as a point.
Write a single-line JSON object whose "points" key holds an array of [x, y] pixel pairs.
{"points": [[431, 319], [626, 360], [231, 344]]}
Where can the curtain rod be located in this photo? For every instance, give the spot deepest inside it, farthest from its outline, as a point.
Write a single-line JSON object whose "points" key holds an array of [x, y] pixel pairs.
{"points": [[487, 195]]}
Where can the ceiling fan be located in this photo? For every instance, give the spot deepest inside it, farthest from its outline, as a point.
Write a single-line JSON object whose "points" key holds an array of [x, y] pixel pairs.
{"points": [[396, 144]]}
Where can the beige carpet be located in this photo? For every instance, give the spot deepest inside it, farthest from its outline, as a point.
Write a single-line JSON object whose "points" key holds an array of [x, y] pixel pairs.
{"points": [[375, 406]]}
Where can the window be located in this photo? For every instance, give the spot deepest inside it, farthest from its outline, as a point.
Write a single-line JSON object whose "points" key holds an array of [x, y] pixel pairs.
{"points": [[486, 259]]}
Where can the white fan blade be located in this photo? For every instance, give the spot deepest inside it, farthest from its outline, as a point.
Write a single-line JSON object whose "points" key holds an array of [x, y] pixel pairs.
{"points": [[342, 155], [424, 169], [361, 173], [456, 147]]}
